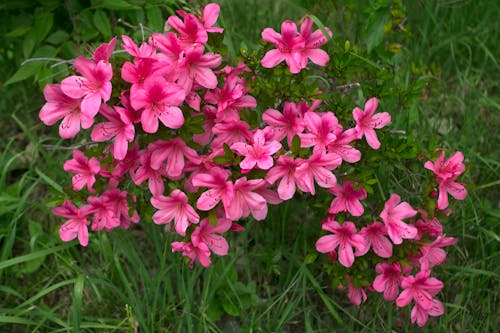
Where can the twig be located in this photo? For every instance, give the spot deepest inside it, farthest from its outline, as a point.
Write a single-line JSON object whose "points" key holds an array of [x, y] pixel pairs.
{"points": [[349, 86], [55, 147]]}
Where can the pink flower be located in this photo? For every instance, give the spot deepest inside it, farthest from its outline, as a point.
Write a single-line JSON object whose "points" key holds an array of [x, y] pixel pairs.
{"points": [[341, 147], [446, 173], [120, 127], [246, 201], [159, 99], [174, 153], [62, 106], [347, 199], [190, 29], [320, 130], [77, 225], [104, 216], [118, 203], [229, 133], [144, 51], [317, 168], [94, 86], [313, 40], [288, 47], [366, 122], [230, 98], [388, 280], [84, 169], [219, 189], [432, 226], [198, 252], [145, 171], [420, 289], [420, 315], [104, 51], [212, 235], [374, 235], [259, 153], [355, 295], [289, 123], [177, 208], [344, 237], [393, 214], [210, 14], [432, 254], [284, 170], [196, 67]]}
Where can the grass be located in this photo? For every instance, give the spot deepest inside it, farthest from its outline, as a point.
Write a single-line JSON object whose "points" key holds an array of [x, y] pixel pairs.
{"points": [[129, 281]]}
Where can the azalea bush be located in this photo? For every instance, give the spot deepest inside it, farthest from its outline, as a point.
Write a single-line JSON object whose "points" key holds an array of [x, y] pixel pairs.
{"points": [[184, 136]]}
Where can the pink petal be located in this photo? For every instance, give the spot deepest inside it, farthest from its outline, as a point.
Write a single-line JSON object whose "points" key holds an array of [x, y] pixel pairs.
{"points": [[272, 58], [172, 117]]}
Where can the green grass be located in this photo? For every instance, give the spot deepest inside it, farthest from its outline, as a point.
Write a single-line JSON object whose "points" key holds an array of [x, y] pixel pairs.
{"points": [[129, 281]]}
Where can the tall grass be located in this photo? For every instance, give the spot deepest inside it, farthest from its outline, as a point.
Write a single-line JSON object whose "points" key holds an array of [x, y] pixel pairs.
{"points": [[129, 281]]}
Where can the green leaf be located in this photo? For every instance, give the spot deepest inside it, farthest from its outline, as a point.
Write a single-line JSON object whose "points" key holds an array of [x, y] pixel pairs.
{"points": [[101, 22], [24, 72], [29, 44], [155, 18], [43, 23], [212, 218], [77, 303], [375, 29], [116, 5], [295, 144], [58, 37]]}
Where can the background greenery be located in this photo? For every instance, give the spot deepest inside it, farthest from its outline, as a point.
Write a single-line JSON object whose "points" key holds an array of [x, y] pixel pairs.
{"points": [[435, 61]]}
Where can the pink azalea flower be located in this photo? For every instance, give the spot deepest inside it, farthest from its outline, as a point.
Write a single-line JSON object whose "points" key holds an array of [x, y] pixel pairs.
{"points": [[317, 168], [120, 127], [190, 29], [220, 189], [393, 214], [141, 70], [144, 51], [432, 226], [347, 199], [173, 153], [355, 295], [446, 173], [210, 14], [366, 122], [344, 237], [84, 169], [104, 216], [341, 147], [420, 289], [451, 168], [171, 51], [284, 170], [60, 106], [159, 99], [432, 254], [94, 86], [177, 208], [288, 46], [230, 98], [104, 51], [212, 235], [144, 172], [198, 252], [229, 133], [289, 123], [246, 201], [375, 237], [210, 114], [259, 153], [313, 40], [196, 67], [388, 279], [420, 315], [77, 224], [118, 203], [320, 130]]}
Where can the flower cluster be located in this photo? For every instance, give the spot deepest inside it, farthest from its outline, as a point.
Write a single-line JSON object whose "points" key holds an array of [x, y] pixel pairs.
{"points": [[175, 119]]}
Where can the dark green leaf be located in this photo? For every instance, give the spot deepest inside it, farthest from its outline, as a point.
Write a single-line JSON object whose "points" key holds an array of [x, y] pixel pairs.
{"points": [[155, 18], [43, 23], [101, 22]]}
